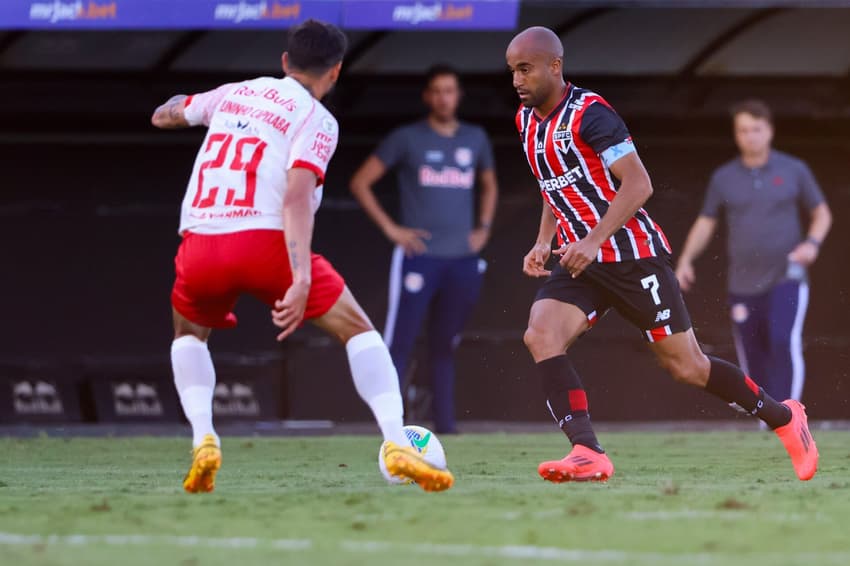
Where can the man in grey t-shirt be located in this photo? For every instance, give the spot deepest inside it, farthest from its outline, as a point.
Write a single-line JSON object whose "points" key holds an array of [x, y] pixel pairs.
{"points": [[761, 194], [435, 270]]}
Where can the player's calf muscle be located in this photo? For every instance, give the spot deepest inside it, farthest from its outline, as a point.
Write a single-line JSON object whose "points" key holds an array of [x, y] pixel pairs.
{"points": [[690, 367]]}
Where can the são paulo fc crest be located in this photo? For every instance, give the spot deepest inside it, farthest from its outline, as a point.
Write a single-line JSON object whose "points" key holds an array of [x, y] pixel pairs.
{"points": [[463, 156], [562, 137], [563, 145]]}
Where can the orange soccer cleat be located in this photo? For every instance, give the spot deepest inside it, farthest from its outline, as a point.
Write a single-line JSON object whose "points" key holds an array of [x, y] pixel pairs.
{"points": [[405, 462], [206, 460], [581, 464], [798, 441]]}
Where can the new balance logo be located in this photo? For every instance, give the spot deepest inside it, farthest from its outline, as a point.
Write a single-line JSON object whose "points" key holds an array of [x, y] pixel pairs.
{"points": [[662, 315]]}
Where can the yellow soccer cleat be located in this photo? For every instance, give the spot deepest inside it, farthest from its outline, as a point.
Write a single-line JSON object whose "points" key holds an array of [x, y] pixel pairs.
{"points": [[206, 460], [405, 462]]}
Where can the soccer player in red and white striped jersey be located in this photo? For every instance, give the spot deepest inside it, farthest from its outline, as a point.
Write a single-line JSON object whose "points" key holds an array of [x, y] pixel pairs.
{"points": [[611, 255]]}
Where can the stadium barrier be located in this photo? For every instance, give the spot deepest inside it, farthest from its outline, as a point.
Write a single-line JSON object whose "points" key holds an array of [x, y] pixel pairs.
{"points": [[137, 391], [38, 394]]}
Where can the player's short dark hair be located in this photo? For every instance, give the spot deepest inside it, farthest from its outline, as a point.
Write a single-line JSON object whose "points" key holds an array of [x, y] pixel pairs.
{"points": [[315, 46], [440, 70], [754, 107]]}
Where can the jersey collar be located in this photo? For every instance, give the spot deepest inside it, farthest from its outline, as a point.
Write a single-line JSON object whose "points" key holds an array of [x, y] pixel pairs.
{"points": [[567, 90]]}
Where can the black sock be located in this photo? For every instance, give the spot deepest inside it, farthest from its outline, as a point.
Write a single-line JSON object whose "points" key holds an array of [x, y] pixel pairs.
{"points": [[731, 384], [567, 401]]}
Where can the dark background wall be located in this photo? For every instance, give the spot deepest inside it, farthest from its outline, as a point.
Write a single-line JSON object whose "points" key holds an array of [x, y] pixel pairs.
{"points": [[90, 194], [90, 209]]}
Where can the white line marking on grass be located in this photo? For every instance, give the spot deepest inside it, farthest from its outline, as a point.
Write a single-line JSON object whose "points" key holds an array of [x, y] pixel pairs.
{"points": [[13, 539], [522, 553], [683, 514], [708, 514], [525, 552]]}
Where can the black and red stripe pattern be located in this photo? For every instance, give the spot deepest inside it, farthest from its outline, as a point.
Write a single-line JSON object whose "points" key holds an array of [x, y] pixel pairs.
{"points": [[575, 181]]}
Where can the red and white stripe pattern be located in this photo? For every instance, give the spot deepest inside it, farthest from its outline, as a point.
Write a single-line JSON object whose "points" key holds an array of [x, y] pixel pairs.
{"points": [[658, 334], [581, 187]]}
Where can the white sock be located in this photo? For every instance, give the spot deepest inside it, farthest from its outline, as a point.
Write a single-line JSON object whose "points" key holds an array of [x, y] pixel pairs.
{"points": [[376, 381], [194, 377]]}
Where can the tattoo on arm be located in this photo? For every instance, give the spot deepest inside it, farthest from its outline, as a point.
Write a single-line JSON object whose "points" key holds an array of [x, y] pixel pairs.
{"points": [[170, 114], [174, 113], [293, 257]]}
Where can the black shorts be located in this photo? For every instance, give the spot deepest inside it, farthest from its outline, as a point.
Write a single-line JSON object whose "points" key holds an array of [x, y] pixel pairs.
{"points": [[644, 291]]}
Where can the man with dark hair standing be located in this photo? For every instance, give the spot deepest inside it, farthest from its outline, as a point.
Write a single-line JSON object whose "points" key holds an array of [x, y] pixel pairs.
{"points": [[612, 255], [247, 227], [761, 194], [435, 270]]}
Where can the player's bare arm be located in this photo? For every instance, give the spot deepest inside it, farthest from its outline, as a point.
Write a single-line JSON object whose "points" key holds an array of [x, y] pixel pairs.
{"points": [[698, 239], [169, 116], [298, 222], [807, 251], [534, 262], [635, 189], [487, 207], [412, 240]]}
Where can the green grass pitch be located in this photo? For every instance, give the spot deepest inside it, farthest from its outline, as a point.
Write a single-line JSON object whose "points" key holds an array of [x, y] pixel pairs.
{"points": [[676, 499]]}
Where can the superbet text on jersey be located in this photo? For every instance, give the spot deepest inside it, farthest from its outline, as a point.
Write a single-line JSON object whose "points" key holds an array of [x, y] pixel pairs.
{"points": [[258, 130]]}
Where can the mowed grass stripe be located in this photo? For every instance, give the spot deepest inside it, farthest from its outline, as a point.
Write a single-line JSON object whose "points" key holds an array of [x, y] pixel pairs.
{"points": [[707, 498], [535, 553]]}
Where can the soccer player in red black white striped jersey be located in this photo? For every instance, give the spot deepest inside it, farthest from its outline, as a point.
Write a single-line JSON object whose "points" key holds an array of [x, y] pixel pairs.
{"points": [[247, 227], [611, 254]]}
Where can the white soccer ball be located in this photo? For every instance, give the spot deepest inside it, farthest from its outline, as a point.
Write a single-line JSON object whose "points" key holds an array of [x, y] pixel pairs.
{"points": [[425, 442]]}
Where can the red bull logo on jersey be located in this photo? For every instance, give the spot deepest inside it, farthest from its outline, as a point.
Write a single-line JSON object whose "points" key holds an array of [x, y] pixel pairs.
{"points": [[288, 103], [562, 181], [254, 11], [447, 177], [72, 11], [422, 12]]}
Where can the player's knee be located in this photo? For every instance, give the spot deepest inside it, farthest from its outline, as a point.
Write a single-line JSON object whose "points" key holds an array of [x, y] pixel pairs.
{"points": [[184, 327], [531, 338], [352, 326], [542, 344]]}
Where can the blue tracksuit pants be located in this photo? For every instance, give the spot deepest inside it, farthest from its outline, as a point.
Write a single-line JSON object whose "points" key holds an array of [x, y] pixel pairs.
{"points": [[443, 291], [768, 332]]}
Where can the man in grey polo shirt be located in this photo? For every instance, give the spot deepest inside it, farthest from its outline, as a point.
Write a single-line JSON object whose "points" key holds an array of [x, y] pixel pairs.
{"points": [[435, 271], [761, 194]]}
